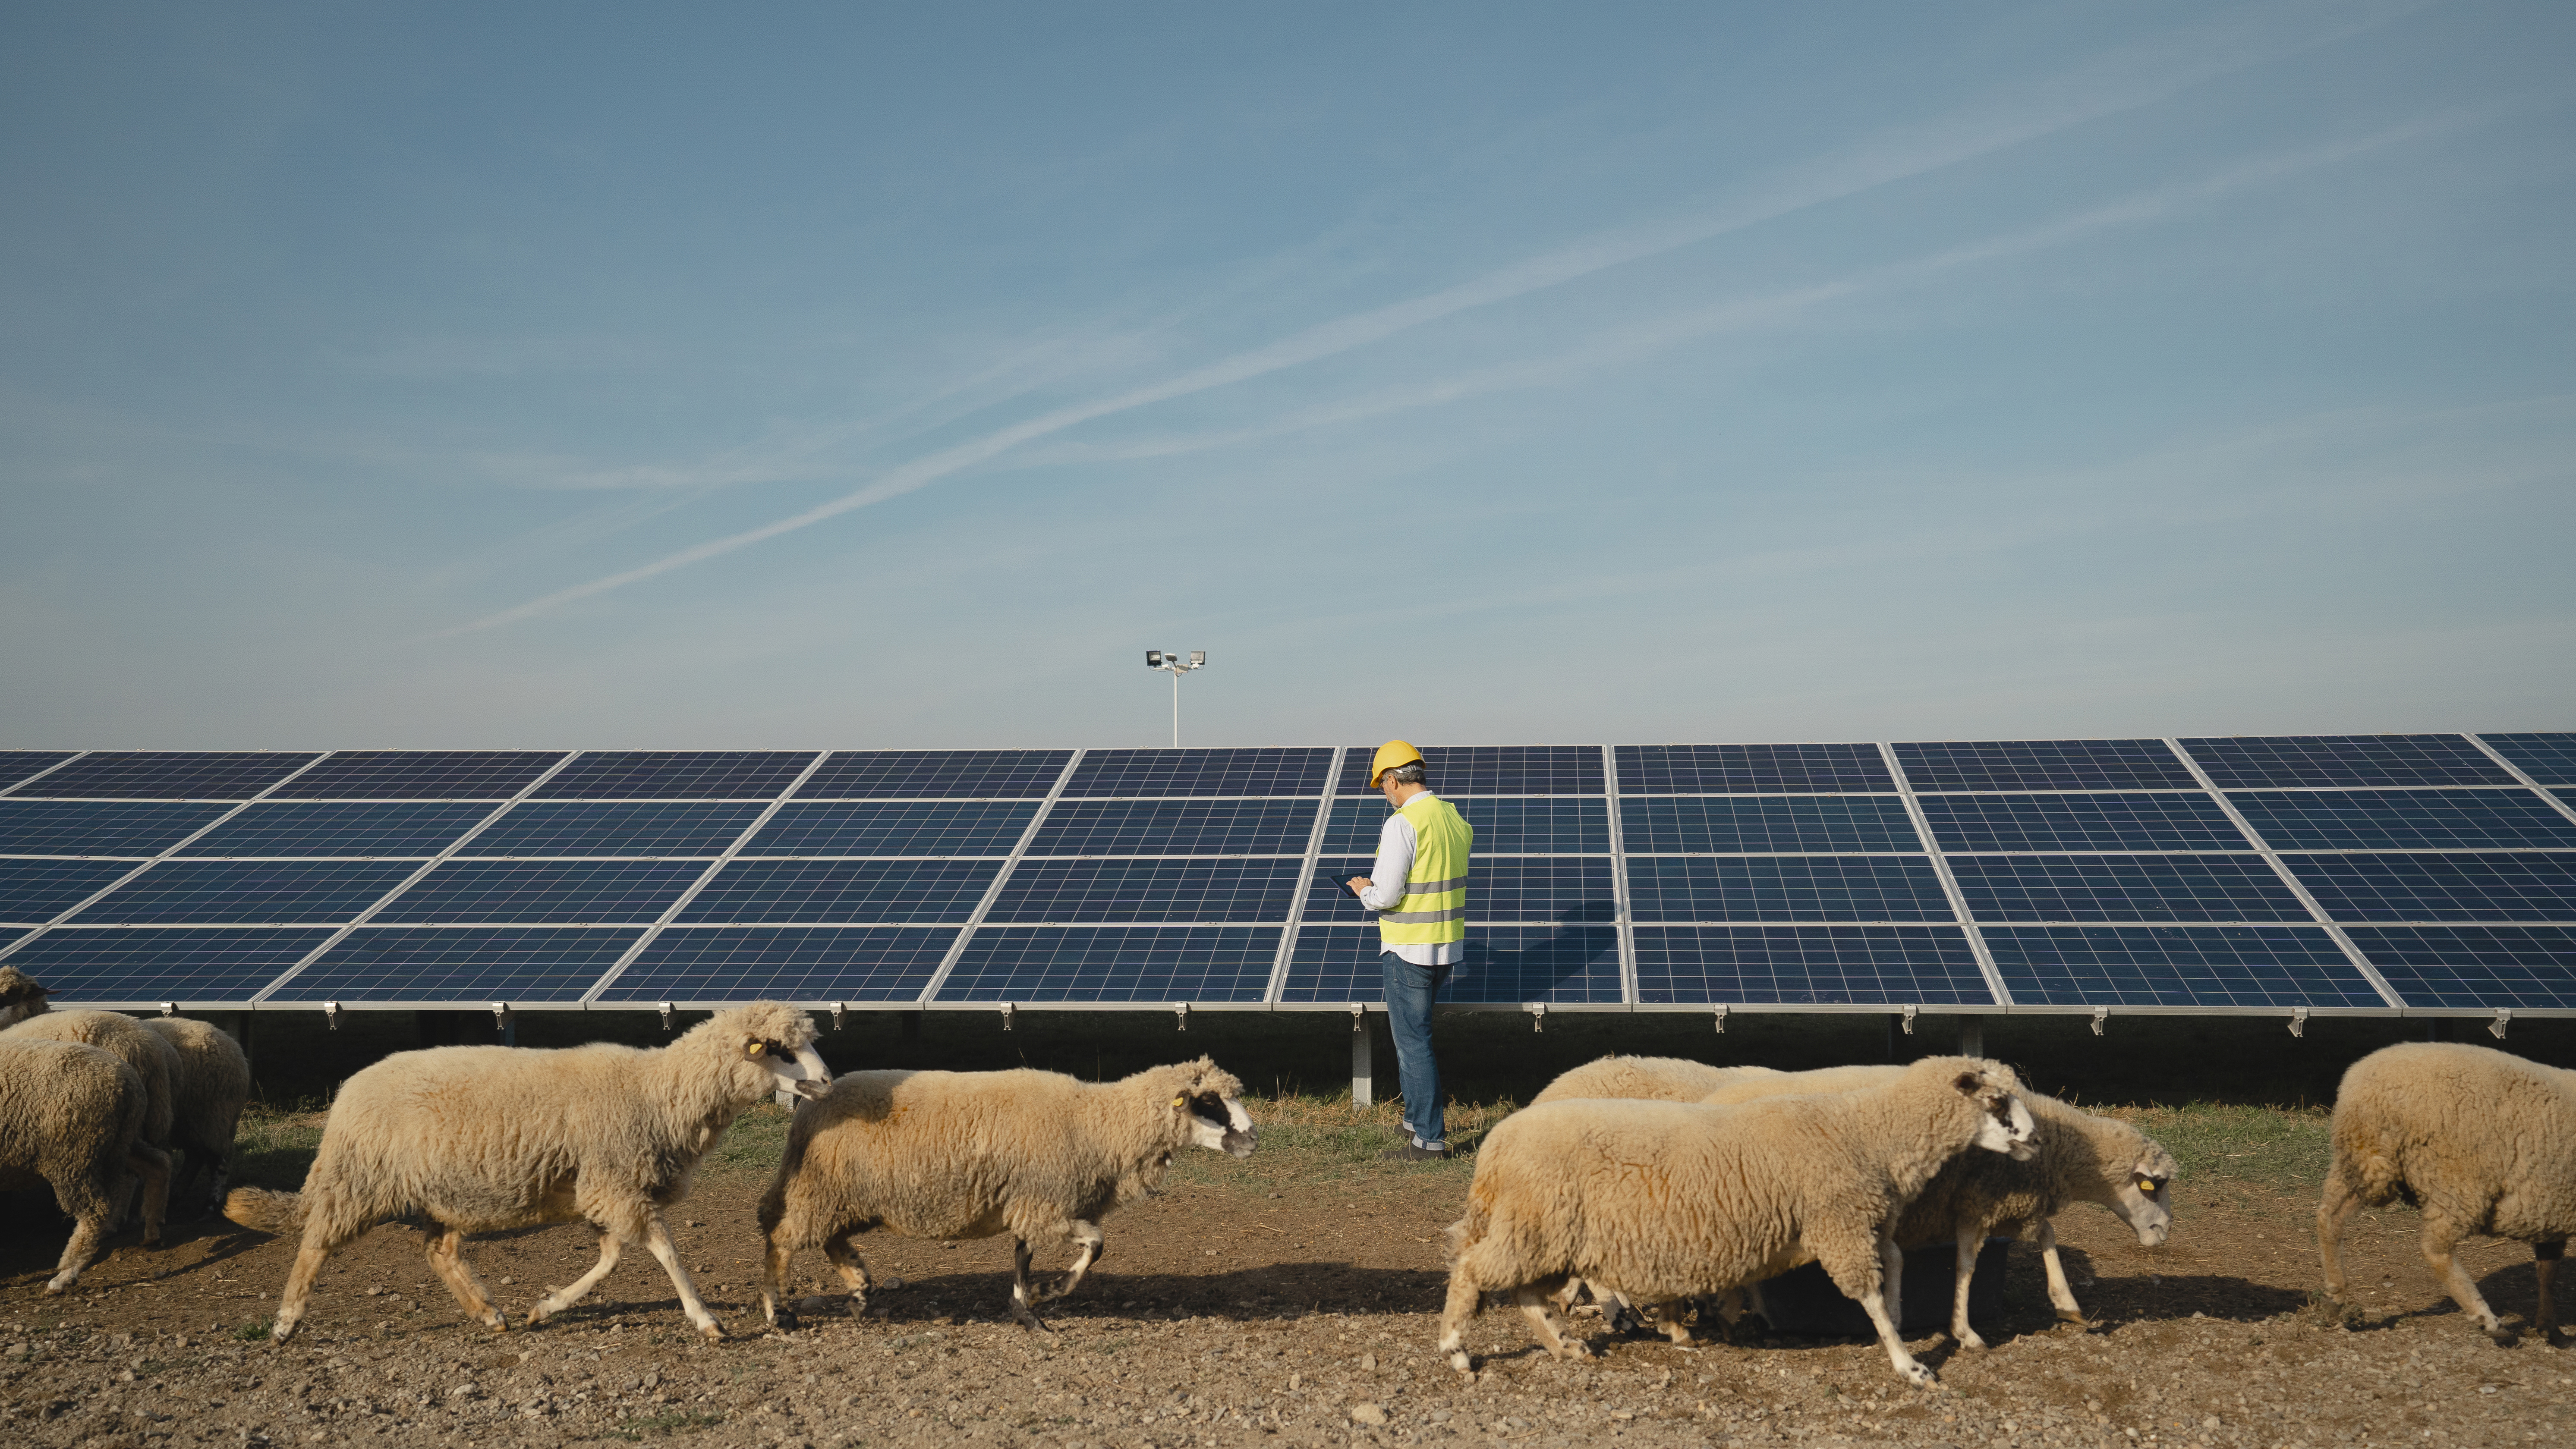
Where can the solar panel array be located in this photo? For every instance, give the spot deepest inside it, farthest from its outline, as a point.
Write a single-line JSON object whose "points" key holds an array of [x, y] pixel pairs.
{"points": [[2340, 874]]}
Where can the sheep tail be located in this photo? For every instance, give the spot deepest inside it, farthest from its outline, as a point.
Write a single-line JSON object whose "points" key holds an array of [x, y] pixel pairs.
{"points": [[265, 1211]]}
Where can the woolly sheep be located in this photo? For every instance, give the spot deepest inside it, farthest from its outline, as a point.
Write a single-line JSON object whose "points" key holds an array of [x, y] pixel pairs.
{"points": [[485, 1138], [2080, 1158], [2482, 1140], [71, 1117], [1037, 1155], [1661, 1201], [153, 1059], [206, 1106], [21, 996], [1652, 1079]]}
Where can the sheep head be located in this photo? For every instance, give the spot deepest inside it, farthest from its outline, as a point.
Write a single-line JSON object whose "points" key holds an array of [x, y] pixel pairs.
{"points": [[2145, 1195], [775, 1040], [21, 996], [2007, 1126], [1208, 1100]]}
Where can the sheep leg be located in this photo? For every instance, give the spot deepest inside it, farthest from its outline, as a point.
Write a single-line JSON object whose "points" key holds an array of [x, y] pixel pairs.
{"points": [[657, 1241], [2060, 1293], [323, 1236], [1088, 1240], [1852, 1275], [1466, 1300], [1962, 1277], [151, 1167], [2544, 1266], [1021, 1298], [447, 1260], [89, 1229], [2439, 1239], [563, 1298], [2334, 1208], [854, 1270], [1537, 1303], [1670, 1318], [1891, 1275]]}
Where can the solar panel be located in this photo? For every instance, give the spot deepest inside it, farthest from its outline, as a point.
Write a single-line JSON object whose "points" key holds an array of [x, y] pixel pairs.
{"points": [[1201, 772], [1785, 888], [1739, 769], [417, 828], [1491, 769], [2549, 758], [1176, 827], [894, 827], [1807, 966], [168, 775], [1115, 964], [2123, 888], [249, 892], [785, 963], [221, 965], [2254, 762], [98, 827], [2405, 820], [17, 765], [620, 827], [2391, 887], [466, 966], [748, 892], [936, 774], [552, 892], [420, 775], [11, 935], [33, 892], [1147, 890], [1561, 825], [2043, 765], [1768, 824], [1531, 888], [677, 774], [2484, 967], [1504, 964], [2187, 966], [2081, 822]]}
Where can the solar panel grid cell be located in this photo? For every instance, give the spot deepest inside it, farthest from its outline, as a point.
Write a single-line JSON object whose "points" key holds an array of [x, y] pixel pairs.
{"points": [[1737, 769], [2395, 887], [2043, 765], [413, 828], [2123, 888], [894, 827], [1547, 826], [2081, 822], [169, 775], [784, 963], [856, 891], [2527, 968], [2291, 761], [553, 892], [1176, 827], [1773, 824], [1297, 771], [2549, 758], [614, 827], [1147, 890], [18, 765], [677, 774], [1115, 964], [420, 775], [220, 966], [1491, 769], [134, 829], [2405, 819], [249, 892], [1785, 888], [1504, 964], [2178, 966], [1808, 966], [468, 965], [33, 892], [936, 775]]}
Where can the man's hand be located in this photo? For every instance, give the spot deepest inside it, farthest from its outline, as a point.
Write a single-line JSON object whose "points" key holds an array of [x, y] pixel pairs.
{"points": [[1361, 882]]}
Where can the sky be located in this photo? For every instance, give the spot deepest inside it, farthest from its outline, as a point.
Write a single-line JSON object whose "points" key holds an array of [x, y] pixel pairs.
{"points": [[637, 376]]}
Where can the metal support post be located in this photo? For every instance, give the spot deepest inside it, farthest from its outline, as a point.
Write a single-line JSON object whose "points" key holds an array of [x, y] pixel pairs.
{"points": [[1972, 1036], [1363, 1061]]}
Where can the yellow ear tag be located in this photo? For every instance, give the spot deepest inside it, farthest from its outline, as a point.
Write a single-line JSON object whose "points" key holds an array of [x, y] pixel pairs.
{"points": [[1179, 1101], [2147, 1185], [751, 1049]]}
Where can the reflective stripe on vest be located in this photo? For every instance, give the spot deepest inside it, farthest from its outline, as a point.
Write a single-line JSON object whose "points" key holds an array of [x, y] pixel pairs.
{"points": [[1434, 908]]}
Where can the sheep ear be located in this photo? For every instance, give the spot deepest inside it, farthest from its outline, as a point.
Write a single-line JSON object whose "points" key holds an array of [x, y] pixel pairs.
{"points": [[751, 1049], [1181, 1101], [1968, 1083]]}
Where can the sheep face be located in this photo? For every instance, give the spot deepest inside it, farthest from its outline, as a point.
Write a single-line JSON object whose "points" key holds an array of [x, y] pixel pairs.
{"points": [[2145, 1197], [2008, 1127], [1218, 1123], [20, 996], [798, 1070]]}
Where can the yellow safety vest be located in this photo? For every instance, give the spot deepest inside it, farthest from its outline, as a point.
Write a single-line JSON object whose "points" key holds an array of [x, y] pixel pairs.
{"points": [[1434, 908]]}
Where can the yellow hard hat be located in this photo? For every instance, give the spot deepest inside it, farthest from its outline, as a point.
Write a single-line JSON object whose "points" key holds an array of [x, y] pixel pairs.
{"points": [[1390, 755]]}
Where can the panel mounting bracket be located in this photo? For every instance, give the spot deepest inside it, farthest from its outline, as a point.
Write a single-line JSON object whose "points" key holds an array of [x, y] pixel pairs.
{"points": [[1908, 1020], [839, 1009], [2101, 1014], [500, 1016], [1181, 1015], [1538, 1014], [169, 1008], [666, 1014], [1359, 1018], [331, 1015], [1010, 1012], [2503, 1019], [1721, 1021], [2299, 1022]]}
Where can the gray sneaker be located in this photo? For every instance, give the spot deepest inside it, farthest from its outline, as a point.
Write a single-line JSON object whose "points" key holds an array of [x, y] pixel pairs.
{"points": [[1411, 1153]]}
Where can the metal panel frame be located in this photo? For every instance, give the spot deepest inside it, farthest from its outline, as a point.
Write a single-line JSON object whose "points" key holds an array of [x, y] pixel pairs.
{"points": [[929, 997], [58, 764], [2510, 768], [1622, 919], [1305, 877], [1949, 883]]}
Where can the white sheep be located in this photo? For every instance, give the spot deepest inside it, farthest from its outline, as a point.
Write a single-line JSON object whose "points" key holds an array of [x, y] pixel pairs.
{"points": [[2482, 1140], [1038, 1155], [1651, 1079], [154, 1060], [206, 1106], [71, 1117], [1662, 1201], [485, 1138]]}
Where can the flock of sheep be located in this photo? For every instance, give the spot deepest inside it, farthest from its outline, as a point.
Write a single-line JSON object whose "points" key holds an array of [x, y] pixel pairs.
{"points": [[1649, 1184]]}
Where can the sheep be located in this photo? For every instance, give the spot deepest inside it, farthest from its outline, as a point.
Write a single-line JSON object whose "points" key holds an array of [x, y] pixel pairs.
{"points": [[21, 996], [71, 1117], [974, 1154], [1655, 1079], [484, 1138], [1661, 1201], [2482, 1140], [206, 1107], [2080, 1158], [153, 1059]]}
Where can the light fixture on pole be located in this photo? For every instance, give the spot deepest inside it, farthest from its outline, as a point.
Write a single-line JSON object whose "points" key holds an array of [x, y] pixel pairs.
{"points": [[1171, 662]]}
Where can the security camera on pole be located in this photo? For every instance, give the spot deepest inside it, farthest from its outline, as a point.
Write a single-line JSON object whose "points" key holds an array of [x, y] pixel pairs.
{"points": [[1170, 661]]}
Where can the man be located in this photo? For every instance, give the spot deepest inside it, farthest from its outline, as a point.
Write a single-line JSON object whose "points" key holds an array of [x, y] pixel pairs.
{"points": [[1418, 888]]}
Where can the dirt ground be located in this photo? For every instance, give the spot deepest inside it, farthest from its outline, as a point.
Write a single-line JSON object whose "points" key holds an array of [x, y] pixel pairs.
{"points": [[1287, 1300]]}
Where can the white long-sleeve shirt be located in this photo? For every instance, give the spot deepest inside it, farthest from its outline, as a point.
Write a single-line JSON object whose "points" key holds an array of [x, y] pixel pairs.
{"points": [[1396, 844]]}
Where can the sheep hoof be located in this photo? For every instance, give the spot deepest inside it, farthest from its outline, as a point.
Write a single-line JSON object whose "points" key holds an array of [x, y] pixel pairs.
{"points": [[2557, 1338], [55, 1289], [1971, 1342], [2504, 1337], [2069, 1315], [784, 1320], [1921, 1377], [1463, 1364]]}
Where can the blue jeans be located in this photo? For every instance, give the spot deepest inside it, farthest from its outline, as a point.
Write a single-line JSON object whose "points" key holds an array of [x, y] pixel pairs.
{"points": [[1410, 990]]}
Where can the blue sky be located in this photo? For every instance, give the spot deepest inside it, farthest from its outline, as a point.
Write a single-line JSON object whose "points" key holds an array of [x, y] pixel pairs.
{"points": [[633, 376]]}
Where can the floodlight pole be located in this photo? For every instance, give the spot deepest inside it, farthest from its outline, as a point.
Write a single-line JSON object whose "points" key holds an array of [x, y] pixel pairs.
{"points": [[1171, 662]]}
